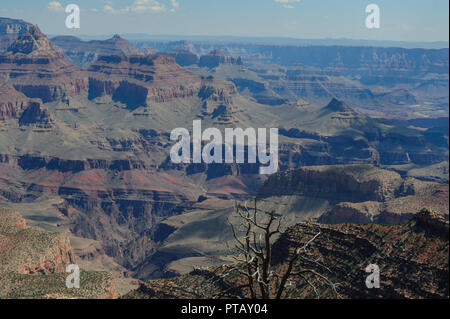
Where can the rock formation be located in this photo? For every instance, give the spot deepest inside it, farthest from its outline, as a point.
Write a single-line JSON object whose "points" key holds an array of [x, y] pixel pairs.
{"points": [[83, 53], [182, 57], [359, 194], [12, 102], [141, 78], [10, 30], [136, 80], [36, 114], [216, 58], [36, 69]]}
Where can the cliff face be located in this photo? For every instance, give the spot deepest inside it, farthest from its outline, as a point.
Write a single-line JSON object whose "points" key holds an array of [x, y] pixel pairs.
{"points": [[361, 60], [33, 264], [315, 85], [341, 254], [409, 77]]}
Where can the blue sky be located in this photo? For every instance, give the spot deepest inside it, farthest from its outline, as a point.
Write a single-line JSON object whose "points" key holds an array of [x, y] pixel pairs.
{"points": [[405, 20]]}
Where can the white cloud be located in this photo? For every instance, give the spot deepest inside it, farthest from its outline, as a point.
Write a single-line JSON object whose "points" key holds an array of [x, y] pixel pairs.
{"points": [[55, 6], [287, 4], [108, 9], [175, 5], [147, 6], [144, 6]]}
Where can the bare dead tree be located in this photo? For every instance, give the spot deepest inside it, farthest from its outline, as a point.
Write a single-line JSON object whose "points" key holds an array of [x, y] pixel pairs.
{"points": [[254, 238]]}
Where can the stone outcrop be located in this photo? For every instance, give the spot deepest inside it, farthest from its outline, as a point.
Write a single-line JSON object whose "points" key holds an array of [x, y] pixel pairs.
{"points": [[14, 105], [342, 135], [407, 270]]}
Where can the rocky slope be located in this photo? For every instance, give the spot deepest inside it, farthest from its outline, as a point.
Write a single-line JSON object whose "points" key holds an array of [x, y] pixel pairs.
{"points": [[33, 264], [413, 260]]}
